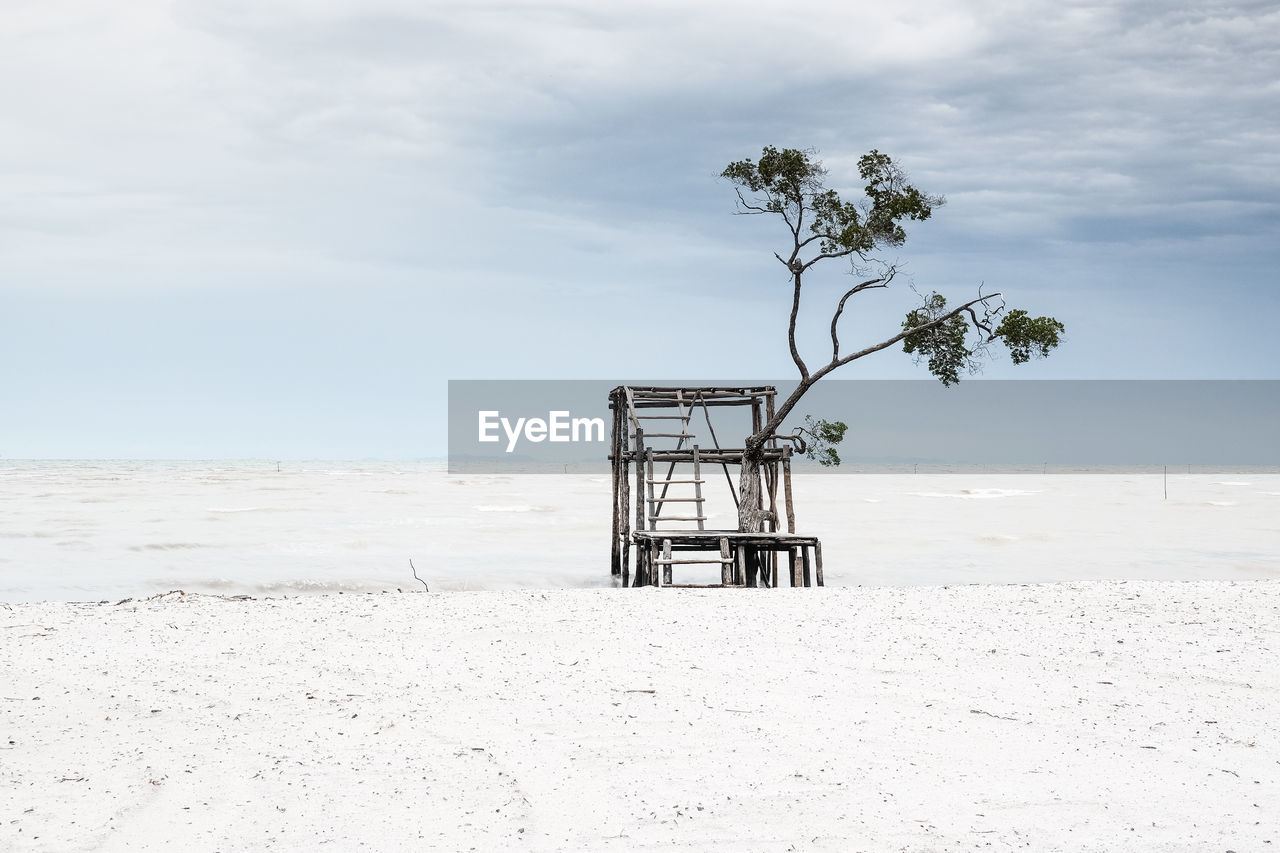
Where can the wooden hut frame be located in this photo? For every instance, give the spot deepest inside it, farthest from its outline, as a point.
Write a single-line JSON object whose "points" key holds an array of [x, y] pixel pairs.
{"points": [[672, 478]]}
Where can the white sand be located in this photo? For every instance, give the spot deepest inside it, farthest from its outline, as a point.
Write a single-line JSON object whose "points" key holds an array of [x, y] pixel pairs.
{"points": [[91, 531], [1084, 716]]}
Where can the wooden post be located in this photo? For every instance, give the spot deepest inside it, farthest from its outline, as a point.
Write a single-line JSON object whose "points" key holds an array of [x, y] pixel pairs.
{"points": [[654, 574], [793, 562], [624, 443], [771, 470], [757, 424], [726, 567], [641, 455], [817, 561], [624, 505], [638, 579], [653, 510], [697, 490], [615, 451], [666, 566], [786, 490], [804, 560]]}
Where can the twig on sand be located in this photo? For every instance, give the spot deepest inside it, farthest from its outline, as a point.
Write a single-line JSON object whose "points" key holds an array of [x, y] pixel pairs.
{"points": [[989, 714], [415, 576]]}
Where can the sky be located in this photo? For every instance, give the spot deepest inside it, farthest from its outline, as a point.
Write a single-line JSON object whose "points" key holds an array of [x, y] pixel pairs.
{"points": [[276, 230]]}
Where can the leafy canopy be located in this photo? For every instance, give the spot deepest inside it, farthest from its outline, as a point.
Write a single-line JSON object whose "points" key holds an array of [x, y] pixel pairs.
{"points": [[792, 184], [820, 439], [948, 349]]}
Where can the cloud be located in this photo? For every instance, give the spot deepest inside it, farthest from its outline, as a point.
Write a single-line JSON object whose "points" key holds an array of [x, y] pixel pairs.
{"points": [[549, 160], [238, 112]]}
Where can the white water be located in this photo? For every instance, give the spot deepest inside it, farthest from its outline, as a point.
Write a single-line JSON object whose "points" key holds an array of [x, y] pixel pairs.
{"points": [[98, 530]]}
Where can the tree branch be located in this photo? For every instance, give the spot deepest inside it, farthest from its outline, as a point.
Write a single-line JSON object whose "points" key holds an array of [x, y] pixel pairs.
{"points": [[846, 253], [807, 380], [817, 236], [747, 209], [795, 231], [924, 327], [875, 283], [791, 329]]}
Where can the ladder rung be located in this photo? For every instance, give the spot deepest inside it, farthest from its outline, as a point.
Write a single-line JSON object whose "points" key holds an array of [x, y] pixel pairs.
{"points": [[670, 562], [663, 417], [666, 435], [661, 482], [662, 500], [677, 517]]}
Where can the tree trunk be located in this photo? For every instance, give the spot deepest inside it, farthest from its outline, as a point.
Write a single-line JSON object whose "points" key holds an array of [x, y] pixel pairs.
{"points": [[749, 515]]}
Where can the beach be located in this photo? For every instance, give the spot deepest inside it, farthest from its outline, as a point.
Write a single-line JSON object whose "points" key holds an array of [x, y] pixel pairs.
{"points": [[1134, 715], [92, 531], [237, 656]]}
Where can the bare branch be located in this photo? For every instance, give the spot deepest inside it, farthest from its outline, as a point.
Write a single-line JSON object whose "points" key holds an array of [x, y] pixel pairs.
{"points": [[791, 329], [415, 575], [817, 236], [876, 284], [795, 229], [807, 381], [825, 255], [984, 325], [746, 209]]}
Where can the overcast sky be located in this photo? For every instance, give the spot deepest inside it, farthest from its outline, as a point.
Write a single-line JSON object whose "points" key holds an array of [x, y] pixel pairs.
{"points": [[275, 229]]}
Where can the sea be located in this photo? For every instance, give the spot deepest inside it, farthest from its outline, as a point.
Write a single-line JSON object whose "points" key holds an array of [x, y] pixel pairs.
{"points": [[110, 530]]}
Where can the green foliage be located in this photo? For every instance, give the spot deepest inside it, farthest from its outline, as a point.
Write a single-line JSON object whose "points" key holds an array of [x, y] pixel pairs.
{"points": [[823, 435], [943, 345], [791, 183], [786, 175], [947, 348], [1027, 336]]}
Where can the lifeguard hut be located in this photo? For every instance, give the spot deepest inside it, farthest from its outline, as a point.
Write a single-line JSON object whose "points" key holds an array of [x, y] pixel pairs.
{"points": [[661, 491]]}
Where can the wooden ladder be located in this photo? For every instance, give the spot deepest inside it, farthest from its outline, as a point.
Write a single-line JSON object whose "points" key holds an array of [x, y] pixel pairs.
{"points": [[664, 560], [654, 500]]}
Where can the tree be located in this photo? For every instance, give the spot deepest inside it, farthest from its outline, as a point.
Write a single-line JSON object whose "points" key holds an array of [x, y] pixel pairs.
{"points": [[791, 185]]}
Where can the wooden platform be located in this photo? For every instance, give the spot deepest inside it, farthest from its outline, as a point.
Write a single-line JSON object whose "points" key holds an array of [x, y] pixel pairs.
{"points": [[668, 483], [746, 559]]}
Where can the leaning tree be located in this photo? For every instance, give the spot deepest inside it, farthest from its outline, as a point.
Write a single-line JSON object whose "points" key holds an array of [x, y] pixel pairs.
{"points": [[791, 185]]}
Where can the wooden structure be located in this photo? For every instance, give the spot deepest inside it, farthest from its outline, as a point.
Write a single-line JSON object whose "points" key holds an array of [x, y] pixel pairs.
{"points": [[659, 474]]}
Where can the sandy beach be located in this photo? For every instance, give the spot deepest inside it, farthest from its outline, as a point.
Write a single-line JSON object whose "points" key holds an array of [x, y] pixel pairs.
{"points": [[1078, 716], [111, 530]]}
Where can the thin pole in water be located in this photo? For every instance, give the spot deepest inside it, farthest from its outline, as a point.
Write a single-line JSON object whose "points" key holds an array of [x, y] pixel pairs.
{"points": [[1166, 482]]}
